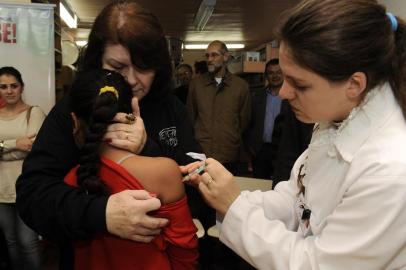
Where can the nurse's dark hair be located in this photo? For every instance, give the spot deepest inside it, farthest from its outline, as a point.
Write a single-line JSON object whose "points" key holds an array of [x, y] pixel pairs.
{"points": [[335, 39], [13, 72], [128, 24], [96, 109]]}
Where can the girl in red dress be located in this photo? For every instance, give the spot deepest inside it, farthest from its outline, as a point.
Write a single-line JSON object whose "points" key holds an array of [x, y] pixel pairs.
{"points": [[95, 99]]}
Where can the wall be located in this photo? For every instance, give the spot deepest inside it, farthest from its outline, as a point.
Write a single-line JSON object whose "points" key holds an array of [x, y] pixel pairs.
{"points": [[397, 7], [15, 1], [191, 56]]}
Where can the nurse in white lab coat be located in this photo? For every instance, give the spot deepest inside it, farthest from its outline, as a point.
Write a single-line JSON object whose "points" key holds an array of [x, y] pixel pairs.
{"points": [[344, 207]]}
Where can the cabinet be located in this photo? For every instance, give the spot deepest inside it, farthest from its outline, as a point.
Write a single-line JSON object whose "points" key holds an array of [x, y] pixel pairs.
{"points": [[266, 52], [58, 46], [242, 66], [253, 71]]}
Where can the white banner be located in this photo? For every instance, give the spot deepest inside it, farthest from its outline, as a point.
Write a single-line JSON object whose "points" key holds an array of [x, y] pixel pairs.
{"points": [[27, 43]]}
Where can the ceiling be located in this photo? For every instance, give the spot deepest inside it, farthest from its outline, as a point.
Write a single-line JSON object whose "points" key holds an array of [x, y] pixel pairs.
{"points": [[239, 21]]}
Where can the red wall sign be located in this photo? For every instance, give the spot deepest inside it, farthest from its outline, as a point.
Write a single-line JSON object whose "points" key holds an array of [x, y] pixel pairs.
{"points": [[8, 32]]}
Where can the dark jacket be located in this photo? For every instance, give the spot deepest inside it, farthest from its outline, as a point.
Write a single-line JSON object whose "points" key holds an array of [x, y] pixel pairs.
{"points": [[181, 92], [63, 213], [254, 134], [256, 128], [294, 139]]}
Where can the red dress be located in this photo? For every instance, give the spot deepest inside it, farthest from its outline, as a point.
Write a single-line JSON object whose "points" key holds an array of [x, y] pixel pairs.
{"points": [[175, 248]]}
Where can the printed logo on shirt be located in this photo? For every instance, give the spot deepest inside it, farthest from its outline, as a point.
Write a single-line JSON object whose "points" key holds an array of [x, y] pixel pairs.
{"points": [[168, 136]]}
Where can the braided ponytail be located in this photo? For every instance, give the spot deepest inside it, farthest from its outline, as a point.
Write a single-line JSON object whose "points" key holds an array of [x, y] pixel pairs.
{"points": [[97, 109]]}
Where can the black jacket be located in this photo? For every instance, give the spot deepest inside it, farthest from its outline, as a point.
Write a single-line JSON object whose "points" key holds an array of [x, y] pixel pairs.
{"points": [[256, 128], [294, 139], [63, 213], [255, 131]]}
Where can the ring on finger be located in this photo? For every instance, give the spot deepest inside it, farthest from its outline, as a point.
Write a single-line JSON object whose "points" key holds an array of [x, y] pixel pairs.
{"points": [[209, 181], [131, 118]]}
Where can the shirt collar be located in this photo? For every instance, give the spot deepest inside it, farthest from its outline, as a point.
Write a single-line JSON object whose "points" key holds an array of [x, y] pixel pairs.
{"points": [[226, 79], [378, 105], [269, 91]]}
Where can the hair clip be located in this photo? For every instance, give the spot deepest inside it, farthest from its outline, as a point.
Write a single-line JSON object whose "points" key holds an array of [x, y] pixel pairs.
{"points": [[109, 89], [393, 21]]}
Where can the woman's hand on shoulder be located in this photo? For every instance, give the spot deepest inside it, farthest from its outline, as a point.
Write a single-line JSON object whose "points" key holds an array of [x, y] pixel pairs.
{"points": [[127, 215]]}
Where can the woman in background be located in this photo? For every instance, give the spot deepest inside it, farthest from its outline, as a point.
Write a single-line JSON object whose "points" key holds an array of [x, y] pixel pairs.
{"points": [[19, 124], [344, 64], [96, 97]]}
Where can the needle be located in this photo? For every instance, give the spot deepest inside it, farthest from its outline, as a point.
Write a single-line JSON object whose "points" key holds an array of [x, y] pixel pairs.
{"points": [[199, 170]]}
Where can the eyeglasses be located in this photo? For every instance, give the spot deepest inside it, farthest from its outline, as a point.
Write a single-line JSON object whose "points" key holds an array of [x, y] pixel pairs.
{"points": [[185, 73], [274, 73], [4, 86], [213, 55]]}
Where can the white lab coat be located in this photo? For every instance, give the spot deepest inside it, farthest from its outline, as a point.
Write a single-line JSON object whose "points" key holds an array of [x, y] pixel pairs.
{"points": [[355, 187]]}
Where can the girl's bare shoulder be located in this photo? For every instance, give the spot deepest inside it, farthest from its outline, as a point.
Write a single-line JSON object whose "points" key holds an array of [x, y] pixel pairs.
{"points": [[159, 175]]}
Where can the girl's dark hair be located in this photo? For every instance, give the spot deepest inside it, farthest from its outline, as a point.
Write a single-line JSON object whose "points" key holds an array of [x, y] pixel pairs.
{"points": [[335, 39], [97, 110], [13, 72], [137, 29]]}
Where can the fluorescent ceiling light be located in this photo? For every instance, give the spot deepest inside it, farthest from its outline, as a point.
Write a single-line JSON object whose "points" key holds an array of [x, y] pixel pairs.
{"points": [[81, 43], [204, 13], [70, 20], [204, 46]]}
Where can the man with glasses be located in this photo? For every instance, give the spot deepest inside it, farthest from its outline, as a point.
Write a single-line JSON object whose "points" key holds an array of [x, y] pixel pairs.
{"points": [[219, 105]]}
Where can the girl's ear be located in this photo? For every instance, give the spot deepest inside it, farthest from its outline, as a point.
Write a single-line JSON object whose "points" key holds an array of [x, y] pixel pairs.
{"points": [[78, 131], [76, 123], [357, 85]]}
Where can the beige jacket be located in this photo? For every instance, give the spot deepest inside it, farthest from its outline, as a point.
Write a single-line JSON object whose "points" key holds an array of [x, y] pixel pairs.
{"points": [[219, 115], [12, 159]]}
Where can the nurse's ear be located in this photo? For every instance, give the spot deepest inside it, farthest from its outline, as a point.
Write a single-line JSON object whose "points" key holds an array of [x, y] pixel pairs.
{"points": [[357, 85]]}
